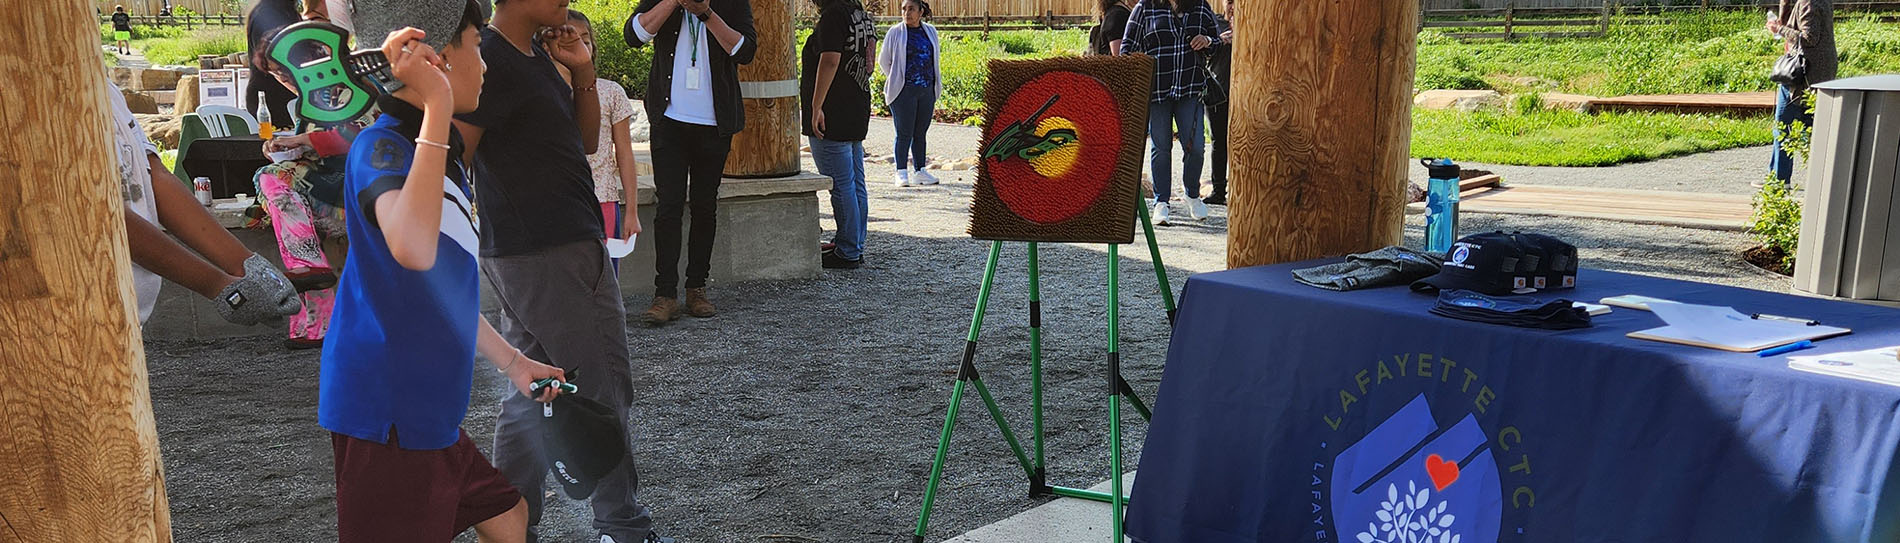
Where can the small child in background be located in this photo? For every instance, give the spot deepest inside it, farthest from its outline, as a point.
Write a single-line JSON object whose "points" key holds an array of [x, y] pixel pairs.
{"points": [[616, 178]]}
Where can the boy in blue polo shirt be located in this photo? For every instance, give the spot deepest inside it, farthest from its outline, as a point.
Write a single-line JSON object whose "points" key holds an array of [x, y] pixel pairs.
{"points": [[396, 373]]}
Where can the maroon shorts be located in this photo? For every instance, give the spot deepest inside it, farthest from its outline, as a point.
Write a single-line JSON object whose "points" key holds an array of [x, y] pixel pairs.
{"points": [[387, 493]]}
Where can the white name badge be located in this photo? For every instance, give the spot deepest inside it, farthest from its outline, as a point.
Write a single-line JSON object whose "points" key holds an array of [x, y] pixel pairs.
{"points": [[692, 78]]}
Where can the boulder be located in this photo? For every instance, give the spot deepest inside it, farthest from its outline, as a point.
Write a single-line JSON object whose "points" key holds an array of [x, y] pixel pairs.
{"points": [[139, 103], [1461, 100], [160, 128], [235, 60], [149, 79], [1558, 100], [185, 99]]}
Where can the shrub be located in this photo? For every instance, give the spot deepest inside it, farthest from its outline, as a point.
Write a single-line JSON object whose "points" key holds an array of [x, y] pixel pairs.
{"points": [[615, 60], [143, 32], [1776, 222]]}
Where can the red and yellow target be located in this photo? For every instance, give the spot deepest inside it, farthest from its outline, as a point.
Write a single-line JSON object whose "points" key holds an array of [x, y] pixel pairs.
{"points": [[1060, 159]]}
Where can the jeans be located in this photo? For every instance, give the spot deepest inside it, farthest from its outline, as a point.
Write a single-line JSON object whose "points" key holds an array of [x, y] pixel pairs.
{"points": [[1789, 108], [1217, 125], [843, 162], [911, 112], [562, 307], [1166, 119], [688, 162]]}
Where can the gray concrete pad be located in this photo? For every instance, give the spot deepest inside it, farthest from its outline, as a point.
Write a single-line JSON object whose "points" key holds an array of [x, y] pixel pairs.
{"points": [[1065, 519]]}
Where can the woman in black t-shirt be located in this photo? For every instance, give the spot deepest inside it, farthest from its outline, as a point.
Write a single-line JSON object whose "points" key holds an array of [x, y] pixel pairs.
{"points": [[262, 21], [835, 97]]}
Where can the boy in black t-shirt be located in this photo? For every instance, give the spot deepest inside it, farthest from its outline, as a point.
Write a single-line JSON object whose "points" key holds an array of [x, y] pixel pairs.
{"points": [[541, 246], [122, 29], [835, 97]]}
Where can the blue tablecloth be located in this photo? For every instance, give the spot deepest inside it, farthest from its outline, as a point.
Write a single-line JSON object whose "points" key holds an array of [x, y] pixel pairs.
{"points": [[1293, 414]]}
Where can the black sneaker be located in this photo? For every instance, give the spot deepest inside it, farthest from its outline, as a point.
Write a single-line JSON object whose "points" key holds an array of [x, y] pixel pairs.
{"points": [[1218, 199], [831, 261]]}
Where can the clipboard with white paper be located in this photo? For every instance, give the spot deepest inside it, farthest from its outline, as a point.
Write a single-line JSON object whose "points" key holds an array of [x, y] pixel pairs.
{"points": [[1725, 329]]}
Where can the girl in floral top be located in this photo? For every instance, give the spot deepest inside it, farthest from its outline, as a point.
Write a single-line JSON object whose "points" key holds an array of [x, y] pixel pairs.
{"points": [[616, 179]]}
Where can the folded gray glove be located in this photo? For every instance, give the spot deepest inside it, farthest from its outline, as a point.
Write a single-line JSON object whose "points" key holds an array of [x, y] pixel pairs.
{"points": [[262, 294]]}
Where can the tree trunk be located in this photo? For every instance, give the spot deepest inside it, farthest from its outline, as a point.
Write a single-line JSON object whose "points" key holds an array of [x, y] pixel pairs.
{"points": [[768, 147], [1321, 128], [78, 448]]}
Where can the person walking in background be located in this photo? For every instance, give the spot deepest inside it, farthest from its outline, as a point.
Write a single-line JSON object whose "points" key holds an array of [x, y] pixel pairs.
{"points": [[1175, 33], [541, 233], [1106, 38], [122, 29], [835, 98], [693, 104], [912, 84], [1807, 27], [1220, 63], [616, 177]]}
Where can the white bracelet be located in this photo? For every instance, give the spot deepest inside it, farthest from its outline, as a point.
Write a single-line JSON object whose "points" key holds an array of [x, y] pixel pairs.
{"points": [[511, 363], [442, 146]]}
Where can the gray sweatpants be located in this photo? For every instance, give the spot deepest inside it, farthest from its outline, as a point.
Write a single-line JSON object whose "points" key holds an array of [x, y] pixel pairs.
{"points": [[562, 306]]}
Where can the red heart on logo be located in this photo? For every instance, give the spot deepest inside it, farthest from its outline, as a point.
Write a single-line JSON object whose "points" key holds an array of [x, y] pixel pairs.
{"points": [[1443, 472]]}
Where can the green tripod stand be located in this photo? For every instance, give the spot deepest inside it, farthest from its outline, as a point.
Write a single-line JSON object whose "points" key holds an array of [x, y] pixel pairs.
{"points": [[1118, 387]]}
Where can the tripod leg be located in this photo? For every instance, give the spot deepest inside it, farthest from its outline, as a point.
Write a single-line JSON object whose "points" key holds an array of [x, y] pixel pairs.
{"points": [[1117, 499], [1038, 482], [1154, 253], [965, 373]]}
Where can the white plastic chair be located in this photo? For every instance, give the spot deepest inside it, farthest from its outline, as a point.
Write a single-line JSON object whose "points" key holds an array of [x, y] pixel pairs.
{"points": [[217, 120]]}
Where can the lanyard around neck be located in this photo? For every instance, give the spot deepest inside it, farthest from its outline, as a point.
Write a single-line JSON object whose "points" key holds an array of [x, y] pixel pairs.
{"points": [[697, 28]]}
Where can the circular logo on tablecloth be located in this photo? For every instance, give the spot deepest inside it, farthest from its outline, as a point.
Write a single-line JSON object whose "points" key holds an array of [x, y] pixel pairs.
{"points": [[1426, 473], [1053, 146]]}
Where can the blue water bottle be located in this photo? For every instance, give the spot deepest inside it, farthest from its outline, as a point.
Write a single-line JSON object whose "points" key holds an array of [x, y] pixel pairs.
{"points": [[1441, 204]]}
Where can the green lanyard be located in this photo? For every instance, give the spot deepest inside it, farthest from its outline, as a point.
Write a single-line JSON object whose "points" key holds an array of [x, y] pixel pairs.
{"points": [[693, 25]]}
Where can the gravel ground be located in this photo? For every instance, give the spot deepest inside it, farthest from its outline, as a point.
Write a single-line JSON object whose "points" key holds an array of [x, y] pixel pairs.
{"points": [[808, 410]]}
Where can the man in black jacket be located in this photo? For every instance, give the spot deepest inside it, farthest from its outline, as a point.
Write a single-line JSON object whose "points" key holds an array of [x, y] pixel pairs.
{"points": [[693, 101]]}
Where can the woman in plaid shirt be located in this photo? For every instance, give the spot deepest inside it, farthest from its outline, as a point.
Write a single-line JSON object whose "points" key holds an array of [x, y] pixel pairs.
{"points": [[1175, 33]]}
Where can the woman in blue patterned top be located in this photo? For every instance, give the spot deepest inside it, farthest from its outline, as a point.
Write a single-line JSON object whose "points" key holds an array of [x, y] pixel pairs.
{"points": [[911, 86]]}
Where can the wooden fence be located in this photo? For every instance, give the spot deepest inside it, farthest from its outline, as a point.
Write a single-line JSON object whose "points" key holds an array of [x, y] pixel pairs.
{"points": [[154, 7], [187, 21]]}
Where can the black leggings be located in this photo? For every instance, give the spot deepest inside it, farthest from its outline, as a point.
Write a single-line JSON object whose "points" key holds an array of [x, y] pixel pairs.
{"points": [[1217, 124]]}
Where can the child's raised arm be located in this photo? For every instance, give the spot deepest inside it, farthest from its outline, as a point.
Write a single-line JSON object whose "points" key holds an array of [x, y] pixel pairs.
{"points": [[410, 217]]}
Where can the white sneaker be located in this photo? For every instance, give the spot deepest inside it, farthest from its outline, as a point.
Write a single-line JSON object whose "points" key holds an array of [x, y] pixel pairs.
{"points": [[1161, 214], [1197, 209], [923, 177], [604, 538], [901, 179]]}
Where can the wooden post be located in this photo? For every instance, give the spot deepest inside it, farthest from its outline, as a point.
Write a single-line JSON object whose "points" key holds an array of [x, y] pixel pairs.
{"points": [[768, 147], [1603, 27], [1321, 131], [1510, 14], [78, 447]]}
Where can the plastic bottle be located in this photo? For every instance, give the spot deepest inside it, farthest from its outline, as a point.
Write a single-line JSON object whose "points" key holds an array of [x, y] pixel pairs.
{"points": [[1441, 204], [264, 128]]}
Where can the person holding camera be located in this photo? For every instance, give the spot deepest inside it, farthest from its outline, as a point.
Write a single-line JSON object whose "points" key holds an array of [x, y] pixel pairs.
{"points": [[693, 103]]}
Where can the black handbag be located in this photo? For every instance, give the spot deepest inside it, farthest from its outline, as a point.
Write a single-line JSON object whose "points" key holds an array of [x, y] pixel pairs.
{"points": [[1791, 70], [1216, 93]]}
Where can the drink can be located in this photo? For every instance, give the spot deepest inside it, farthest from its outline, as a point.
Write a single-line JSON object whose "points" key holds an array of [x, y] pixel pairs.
{"points": [[202, 187]]}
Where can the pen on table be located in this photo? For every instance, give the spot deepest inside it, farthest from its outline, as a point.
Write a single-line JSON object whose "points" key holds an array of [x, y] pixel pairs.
{"points": [[1786, 319], [1785, 349]]}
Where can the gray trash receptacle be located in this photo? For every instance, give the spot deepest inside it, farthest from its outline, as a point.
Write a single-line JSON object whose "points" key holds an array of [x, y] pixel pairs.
{"points": [[1850, 224]]}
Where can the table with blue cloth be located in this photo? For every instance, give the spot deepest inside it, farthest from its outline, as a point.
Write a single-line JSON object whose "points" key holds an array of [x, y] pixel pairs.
{"points": [[1288, 413]]}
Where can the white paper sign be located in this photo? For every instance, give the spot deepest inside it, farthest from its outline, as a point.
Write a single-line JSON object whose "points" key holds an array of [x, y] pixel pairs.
{"points": [[219, 88], [620, 248]]}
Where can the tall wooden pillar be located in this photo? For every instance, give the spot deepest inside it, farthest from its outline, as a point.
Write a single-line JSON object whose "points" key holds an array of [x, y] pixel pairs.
{"points": [[769, 145], [1321, 127], [78, 448]]}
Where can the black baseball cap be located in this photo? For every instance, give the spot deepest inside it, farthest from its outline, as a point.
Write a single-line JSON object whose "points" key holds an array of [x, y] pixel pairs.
{"points": [[1485, 263], [1556, 265], [583, 440]]}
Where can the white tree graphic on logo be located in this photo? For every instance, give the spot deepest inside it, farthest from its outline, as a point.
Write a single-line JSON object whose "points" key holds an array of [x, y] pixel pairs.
{"points": [[1410, 518]]}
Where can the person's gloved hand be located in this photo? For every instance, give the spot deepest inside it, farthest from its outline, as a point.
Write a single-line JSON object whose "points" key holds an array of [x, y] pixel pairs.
{"points": [[262, 294]]}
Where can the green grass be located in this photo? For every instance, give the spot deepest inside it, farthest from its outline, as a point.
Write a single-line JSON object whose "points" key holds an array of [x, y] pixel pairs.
{"points": [[173, 45], [1568, 138], [615, 60], [1692, 52]]}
